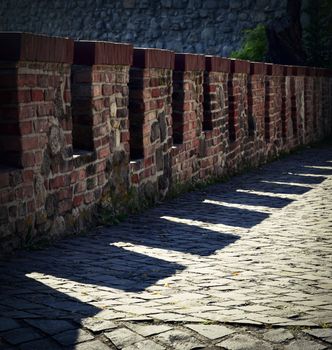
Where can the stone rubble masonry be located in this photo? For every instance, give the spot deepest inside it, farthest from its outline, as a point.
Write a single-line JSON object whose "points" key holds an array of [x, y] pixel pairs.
{"points": [[88, 123], [198, 26]]}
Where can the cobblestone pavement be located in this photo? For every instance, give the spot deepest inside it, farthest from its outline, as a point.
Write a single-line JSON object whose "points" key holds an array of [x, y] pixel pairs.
{"points": [[240, 265]]}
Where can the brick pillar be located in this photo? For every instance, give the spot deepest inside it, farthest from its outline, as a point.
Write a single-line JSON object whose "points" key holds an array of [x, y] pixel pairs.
{"points": [[283, 107], [187, 115], [324, 76], [238, 107], [292, 122], [214, 142], [255, 127], [36, 117], [309, 105], [300, 103], [320, 94], [274, 109], [150, 113], [100, 77], [328, 77]]}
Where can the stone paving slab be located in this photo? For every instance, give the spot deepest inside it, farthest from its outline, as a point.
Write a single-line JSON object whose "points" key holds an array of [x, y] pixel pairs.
{"points": [[245, 264]]}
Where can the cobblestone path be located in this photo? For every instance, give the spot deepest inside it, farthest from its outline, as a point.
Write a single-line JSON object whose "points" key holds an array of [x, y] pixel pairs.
{"points": [[240, 265]]}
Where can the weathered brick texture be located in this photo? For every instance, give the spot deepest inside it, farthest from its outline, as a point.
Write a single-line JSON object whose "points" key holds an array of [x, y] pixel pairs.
{"points": [[88, 123], [187, 116], [150, 109], [215, 140]]}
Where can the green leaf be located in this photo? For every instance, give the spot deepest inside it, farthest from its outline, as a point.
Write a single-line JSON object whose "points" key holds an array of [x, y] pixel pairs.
{"points": [[255, 45]]}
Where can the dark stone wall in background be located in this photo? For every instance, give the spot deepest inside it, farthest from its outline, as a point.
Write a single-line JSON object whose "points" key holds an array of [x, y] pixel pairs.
{"points": [[201, 26]]}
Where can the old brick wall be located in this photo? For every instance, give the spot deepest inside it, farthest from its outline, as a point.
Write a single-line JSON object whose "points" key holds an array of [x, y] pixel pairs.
{"points": [[87, 126]]}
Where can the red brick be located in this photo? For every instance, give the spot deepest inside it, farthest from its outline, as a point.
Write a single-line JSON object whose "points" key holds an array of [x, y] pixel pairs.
{"points": [[66, 193], [88, 197], [29, 143], [81, 174], [37, 95], [78, 200], [134, 178], [74, 177], [27, 111], [80, 187], [41, 125], [107, 89], [98, 105], [148, 162], [211, 88], [26, 128], [100, 167], [155, 92], [45, 109], [23, 96], [103, 153], [28, 159], [125, 136], [28, 80], [38, 157], [27, 175], [57, 182], [67, 96]]}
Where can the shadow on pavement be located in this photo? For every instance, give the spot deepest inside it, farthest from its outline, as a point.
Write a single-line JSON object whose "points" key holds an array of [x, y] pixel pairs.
{"points": [[46, 295]]}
